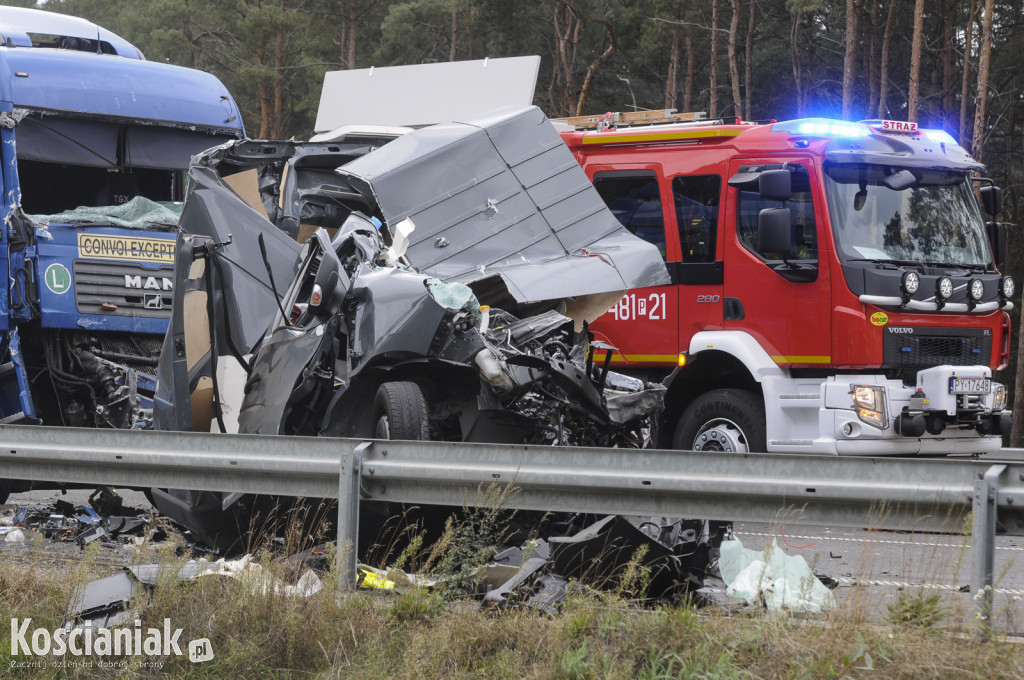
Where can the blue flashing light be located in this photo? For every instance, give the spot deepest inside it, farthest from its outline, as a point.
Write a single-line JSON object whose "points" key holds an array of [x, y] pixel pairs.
{"points": [[822, 127], [940, 136]]}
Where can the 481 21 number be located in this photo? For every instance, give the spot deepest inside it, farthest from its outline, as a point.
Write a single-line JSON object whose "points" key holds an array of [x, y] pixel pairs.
{"points": [[633, 307]]}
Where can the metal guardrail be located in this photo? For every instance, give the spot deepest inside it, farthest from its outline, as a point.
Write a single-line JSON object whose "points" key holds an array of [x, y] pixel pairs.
{"points": [[884, 493]]}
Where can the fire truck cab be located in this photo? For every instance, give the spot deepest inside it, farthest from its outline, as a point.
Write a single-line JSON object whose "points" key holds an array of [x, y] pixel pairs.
{"points": [[835, 287]]}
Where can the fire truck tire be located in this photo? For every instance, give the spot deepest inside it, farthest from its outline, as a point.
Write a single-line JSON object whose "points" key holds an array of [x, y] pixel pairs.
{"points": [[5, 490], [723, 420], [400, 412]]}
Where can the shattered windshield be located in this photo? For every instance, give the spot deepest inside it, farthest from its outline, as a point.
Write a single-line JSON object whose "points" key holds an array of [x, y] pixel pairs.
{"points": [[934, 220]]}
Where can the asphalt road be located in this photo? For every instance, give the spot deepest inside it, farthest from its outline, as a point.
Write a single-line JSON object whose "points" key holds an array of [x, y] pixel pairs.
{"points": [[874, 568]]}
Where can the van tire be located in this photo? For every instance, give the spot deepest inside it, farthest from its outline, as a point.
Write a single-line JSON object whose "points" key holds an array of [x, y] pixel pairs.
{"points": [[400, 412], [728, 420]]}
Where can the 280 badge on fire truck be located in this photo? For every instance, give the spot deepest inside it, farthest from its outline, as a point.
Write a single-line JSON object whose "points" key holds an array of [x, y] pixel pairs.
{"points": [[96, 247], [879, 318]]}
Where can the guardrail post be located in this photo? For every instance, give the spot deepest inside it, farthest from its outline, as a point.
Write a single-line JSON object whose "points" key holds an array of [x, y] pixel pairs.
{"points": [[983, 534], [348, 515]]}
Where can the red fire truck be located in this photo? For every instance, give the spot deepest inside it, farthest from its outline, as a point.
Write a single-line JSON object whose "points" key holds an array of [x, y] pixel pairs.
{"points": [[835, 286]]}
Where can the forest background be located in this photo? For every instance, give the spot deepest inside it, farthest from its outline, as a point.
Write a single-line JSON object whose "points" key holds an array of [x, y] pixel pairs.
{"points": [[950, 64]]}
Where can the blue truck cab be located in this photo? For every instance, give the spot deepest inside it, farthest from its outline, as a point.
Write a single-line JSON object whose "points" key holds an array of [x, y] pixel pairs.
{"points": [[95, 144]]}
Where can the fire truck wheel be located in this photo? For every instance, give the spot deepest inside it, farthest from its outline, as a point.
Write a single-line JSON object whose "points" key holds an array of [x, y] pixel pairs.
{"points": [[400, 412], [728, 420], [5, 490]]}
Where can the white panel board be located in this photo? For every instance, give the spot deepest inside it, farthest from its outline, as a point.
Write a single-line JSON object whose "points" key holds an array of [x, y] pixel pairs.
{"points": [[425, 94]]}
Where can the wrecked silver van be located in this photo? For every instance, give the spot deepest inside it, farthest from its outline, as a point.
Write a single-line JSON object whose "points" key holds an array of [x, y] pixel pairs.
{"points": [[442, 292]]}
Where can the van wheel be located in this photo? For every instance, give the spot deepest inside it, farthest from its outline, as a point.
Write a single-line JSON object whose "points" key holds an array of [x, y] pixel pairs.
{"points": [[400, 412], [727, 420]]}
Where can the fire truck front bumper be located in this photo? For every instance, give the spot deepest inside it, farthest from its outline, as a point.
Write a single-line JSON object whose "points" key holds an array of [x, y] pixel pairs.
{"points": [[950, 410]]}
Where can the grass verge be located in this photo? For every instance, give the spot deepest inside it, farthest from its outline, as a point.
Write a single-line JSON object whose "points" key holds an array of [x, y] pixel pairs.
{"points": [[369, 635]]}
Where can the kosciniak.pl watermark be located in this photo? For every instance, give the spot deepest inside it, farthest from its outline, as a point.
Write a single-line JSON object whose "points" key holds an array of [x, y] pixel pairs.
{"points": [[101, 642]]}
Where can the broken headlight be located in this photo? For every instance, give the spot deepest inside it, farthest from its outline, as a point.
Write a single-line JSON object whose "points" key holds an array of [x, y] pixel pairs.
{"points": [[998, 397], [870, 402]]}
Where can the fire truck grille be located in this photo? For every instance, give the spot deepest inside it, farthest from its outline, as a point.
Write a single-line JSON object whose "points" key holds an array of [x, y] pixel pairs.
{"points": [[906, 347], [123, 289]]}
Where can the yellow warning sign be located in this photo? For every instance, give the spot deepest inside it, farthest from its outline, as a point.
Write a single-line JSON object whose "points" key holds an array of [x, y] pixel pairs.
{"points": [[879, 318], [95, 247]]}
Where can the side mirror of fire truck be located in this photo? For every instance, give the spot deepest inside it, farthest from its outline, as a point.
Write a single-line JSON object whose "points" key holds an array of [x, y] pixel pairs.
{"points": [[774, 231], [775, 185], [992, 202], [997, 241]]}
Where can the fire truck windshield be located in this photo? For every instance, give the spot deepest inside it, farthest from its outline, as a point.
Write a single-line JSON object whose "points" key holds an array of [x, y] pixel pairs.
{"points": [[936, 220]]}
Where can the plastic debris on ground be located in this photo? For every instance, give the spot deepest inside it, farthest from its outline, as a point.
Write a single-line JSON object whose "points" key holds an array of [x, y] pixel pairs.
{"points": [[105, 519], [540, 574], [13, 536], [107, 601], [771, 578]]}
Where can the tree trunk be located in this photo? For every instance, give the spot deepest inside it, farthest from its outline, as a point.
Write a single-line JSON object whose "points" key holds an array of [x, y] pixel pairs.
{"points": [[470, 52], [965, 82], [342, 43], [594, 67], [278, 125], [672, 78], [1017, 430], [734, 71], [850, 59], [748, 62], [568, 27], [978, 138], [690, 68], [263, 95], [883, 78], [949, 25], [353, 23], [914, 87], [872, 65], [455, 31], [794, 35], [713, 104]]}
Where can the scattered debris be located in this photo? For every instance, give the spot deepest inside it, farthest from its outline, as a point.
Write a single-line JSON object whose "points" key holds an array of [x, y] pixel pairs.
{"points": [[773, 579], [14, 536], [107, 602], [65, 522], [541, 573]]}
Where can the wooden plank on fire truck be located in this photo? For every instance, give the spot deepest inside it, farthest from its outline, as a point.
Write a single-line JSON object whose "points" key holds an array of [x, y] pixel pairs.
{"points": [[619, 119]]}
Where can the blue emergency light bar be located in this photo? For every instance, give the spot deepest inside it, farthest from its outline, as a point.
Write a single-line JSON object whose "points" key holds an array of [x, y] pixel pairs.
{"points": [[822, 127], [819, 127], [940, 136]]}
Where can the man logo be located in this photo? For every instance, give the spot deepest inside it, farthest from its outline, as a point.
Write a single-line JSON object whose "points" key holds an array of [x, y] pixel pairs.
{"points": [[152, 301], [149, 282]]}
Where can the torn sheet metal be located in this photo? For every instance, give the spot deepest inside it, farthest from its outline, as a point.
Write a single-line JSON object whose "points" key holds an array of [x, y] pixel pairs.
{"points": [[676, 560], [771, 578], [103, 603], [503, 196]]}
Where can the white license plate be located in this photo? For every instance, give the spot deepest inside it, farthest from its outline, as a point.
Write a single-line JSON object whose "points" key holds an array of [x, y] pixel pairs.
{"points": [[970, 385]]}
